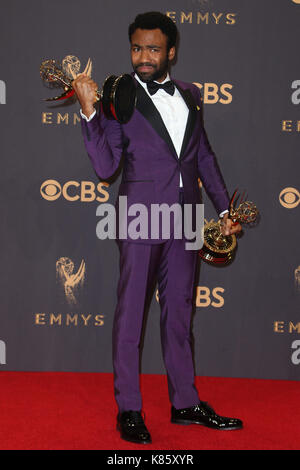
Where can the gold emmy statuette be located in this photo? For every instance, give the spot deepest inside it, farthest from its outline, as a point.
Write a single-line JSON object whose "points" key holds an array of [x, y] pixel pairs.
{"points": [[117, 96], [219, 249]]}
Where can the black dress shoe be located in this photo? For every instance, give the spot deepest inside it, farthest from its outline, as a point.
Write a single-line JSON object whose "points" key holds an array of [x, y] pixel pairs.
{"points": [[203, 414], [132, 427]]}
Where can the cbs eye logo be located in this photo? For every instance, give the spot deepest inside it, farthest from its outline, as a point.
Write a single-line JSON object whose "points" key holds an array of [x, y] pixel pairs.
{"points": [[289, 197], [50, 190]]}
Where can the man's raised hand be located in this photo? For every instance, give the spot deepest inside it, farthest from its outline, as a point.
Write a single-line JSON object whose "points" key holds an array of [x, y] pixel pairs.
{"points": [[85, 89]]}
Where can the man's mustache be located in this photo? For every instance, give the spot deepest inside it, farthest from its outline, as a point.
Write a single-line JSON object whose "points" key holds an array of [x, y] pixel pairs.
{"points": [[145, 64]]}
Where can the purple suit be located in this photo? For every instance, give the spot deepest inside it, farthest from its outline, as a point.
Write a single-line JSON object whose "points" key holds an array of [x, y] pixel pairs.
{"points": [[151, 176]]}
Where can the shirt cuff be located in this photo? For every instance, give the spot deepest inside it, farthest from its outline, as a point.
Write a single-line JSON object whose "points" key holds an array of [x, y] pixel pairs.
{"points": [[88, 119], [223, 213]]}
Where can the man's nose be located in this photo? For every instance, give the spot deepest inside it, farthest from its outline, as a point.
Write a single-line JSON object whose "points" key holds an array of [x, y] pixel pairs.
{"points": [[144, 57]]}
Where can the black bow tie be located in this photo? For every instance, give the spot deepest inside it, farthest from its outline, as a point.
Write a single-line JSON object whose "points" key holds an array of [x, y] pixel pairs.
{"points": [[169, 87]]}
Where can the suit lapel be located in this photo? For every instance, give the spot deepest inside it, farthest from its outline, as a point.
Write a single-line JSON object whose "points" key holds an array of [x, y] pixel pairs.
{"points": [[190, 102], [145, 106]]}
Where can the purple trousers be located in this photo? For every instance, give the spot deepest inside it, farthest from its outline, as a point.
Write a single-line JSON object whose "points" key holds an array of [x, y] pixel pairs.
{"points": [[174, 269]]}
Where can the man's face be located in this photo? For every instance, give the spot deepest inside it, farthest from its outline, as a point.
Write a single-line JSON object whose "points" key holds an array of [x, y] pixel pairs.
{"points": [[149, 55]]}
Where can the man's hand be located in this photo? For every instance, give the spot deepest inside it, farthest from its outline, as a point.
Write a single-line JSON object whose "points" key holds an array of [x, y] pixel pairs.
{"points": [[228, 227], [85, 89]]}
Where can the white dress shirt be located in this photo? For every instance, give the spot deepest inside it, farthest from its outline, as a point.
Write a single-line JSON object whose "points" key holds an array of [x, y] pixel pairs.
{"points": [[173, 111]]}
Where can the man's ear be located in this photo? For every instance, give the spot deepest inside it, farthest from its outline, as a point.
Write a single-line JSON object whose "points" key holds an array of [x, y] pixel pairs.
{"points": [[171, 53]]}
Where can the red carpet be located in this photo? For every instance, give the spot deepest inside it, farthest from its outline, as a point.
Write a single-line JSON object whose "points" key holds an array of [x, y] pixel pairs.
{"points": [[77, 411]]}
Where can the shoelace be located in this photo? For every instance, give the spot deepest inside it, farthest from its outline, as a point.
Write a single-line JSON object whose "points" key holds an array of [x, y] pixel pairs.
{"points": [[204, 406], [135, 418]]}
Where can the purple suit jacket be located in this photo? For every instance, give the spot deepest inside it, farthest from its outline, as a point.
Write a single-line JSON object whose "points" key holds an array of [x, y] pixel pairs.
{"points": [[151, 165]]}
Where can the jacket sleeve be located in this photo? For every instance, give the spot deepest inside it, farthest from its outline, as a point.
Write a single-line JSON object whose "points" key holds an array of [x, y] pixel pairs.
{"points": [[104, 144], [209, 171]]}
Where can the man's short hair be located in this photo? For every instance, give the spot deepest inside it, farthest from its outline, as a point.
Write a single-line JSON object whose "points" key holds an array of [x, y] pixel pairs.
{"points": [[156, 20]]}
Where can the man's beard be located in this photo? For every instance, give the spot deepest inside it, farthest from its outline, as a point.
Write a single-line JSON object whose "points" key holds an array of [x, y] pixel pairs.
{"points": [[156, 74]]}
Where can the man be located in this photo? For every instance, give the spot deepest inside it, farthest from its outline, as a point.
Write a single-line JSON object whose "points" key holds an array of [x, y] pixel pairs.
{"points": [[165, 150]]}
